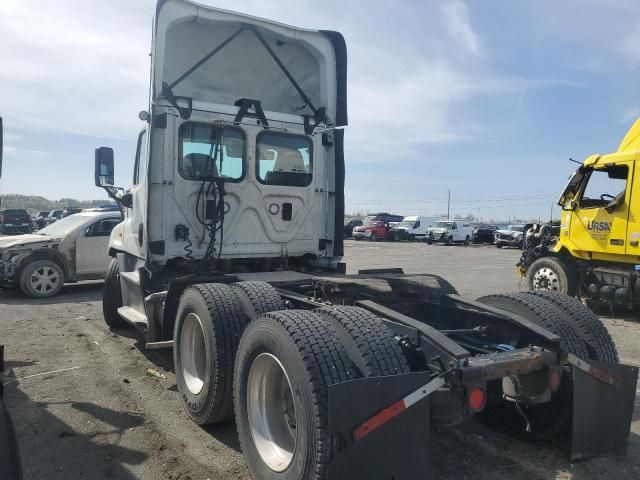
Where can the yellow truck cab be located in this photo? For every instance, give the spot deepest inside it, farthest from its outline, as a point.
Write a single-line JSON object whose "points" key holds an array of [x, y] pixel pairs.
{"points": [[597, 248]]}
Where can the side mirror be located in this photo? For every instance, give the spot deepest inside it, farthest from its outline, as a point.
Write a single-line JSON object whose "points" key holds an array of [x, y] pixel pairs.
{"points": [[569, 205], [127, 200], [104, 167]]}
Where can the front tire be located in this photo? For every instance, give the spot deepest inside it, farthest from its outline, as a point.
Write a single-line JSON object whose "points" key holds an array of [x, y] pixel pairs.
{"points": [[551, 273], [286, 362], [41, 279], [208, 327], [112, 297], [466, 241]]}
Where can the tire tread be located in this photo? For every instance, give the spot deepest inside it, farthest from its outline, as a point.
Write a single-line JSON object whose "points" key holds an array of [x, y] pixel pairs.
{"points": [[379, 354]]}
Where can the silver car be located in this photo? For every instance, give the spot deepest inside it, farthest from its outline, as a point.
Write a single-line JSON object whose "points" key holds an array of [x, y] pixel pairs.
{"points": [[72, 249]]}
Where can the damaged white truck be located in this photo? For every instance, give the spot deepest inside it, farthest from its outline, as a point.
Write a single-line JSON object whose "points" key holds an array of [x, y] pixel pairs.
{"points": [[230, 253]]}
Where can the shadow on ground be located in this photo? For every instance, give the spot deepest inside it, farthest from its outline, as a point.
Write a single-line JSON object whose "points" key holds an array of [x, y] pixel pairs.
{"points": [[83, 292], [53, 450]]}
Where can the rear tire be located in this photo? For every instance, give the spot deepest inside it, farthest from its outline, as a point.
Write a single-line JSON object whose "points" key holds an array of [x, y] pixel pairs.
{"points": [[599, 344], [209, 324], [554, 417], [112, 297], [543, 313], [368, 341], [283, 431], [551, 273], [258, 298]]}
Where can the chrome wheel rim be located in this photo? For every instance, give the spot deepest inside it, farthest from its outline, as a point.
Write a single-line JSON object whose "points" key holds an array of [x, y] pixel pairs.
{"points": [[271, 412], [193, 356], [44, 279], [546, 279]]}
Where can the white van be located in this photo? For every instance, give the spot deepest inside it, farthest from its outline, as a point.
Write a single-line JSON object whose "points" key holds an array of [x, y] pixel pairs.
{"points": [[413, 227], [450, 232]]}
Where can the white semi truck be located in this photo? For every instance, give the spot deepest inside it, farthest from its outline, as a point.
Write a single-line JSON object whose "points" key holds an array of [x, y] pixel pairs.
{"points": [[230, 253]]}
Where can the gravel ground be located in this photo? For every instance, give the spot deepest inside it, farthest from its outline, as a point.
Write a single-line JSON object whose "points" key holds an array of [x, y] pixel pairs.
{"points": [[102, 417]]}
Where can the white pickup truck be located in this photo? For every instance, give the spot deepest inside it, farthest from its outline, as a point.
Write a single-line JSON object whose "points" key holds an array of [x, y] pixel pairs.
{"points": [[450, 232]]}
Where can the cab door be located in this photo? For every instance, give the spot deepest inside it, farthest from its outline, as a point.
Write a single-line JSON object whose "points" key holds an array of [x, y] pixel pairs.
{"points": [[134, 223], [599, 221], [633, 223]]}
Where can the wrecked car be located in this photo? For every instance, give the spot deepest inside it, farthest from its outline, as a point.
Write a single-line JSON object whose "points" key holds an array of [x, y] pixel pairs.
{"points": [[70, 250]]}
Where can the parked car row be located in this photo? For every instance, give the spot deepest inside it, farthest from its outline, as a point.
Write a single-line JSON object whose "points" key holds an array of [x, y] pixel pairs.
{"points": [[385, 226], [18, 221]]}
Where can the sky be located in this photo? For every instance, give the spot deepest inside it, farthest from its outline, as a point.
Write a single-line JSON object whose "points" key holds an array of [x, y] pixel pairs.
{"points": [[486, 99]]}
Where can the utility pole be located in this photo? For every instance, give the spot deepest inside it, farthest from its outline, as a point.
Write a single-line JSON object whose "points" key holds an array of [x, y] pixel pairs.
{"points": [[449, 206], [551, 215]]}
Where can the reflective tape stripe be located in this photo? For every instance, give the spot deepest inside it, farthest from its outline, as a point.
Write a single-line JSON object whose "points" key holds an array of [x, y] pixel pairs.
{"points": [[590, 369], [396, 408]]}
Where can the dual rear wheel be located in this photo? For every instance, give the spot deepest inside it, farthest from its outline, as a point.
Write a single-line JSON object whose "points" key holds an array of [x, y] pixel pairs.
{"points": [[581, 333], [237, 350]]}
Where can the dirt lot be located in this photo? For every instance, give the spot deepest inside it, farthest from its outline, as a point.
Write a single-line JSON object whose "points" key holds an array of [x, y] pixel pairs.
{"points": [[84, 408]]}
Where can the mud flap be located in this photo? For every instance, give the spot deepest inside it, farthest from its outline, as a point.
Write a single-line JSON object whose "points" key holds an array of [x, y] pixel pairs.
{"points": [[398, 449], [603, 402]]}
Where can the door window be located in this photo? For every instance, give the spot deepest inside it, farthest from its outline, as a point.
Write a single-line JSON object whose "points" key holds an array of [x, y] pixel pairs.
{"points": [[140, 168], [605, 187], [209, 152], [284, 159], [102, 228]]}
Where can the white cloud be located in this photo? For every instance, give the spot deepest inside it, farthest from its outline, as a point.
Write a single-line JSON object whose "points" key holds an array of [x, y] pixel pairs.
{"points": [[74, 66], [456, 17]]}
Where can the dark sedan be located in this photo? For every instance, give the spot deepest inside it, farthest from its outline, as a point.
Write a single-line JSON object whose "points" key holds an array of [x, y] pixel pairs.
{"points": [[349, 225], [484, 233]]}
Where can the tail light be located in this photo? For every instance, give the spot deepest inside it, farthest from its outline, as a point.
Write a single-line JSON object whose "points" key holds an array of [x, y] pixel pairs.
{"points": [[1, 217], [476, 399], [554, 380]]}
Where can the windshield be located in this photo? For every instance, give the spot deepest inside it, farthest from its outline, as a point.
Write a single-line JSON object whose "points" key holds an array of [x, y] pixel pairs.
{"points": [[63, 226], [443, 225], [407, 223], [573, 185], [516, 228]]}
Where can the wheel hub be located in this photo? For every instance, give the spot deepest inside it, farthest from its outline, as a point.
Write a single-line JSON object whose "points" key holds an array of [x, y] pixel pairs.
{"points": [[271, 412], [546, 279], [193, 355], [44, 279]]}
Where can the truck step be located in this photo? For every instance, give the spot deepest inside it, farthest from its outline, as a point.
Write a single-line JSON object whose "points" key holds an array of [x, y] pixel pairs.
{"points": [[133, 316], [158, 345]]}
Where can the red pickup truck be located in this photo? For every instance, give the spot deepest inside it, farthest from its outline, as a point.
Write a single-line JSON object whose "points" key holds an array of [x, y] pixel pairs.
{"points": [[377, 230]]}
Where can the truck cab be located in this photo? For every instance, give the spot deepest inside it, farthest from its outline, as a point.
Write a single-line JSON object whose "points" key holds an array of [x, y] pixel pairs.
{"points": [[239, 163], [595, 254], [598, 212]]}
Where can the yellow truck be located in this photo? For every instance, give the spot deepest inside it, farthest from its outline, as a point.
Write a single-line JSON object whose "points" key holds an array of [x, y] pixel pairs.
{"points": [[595, 253]]}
